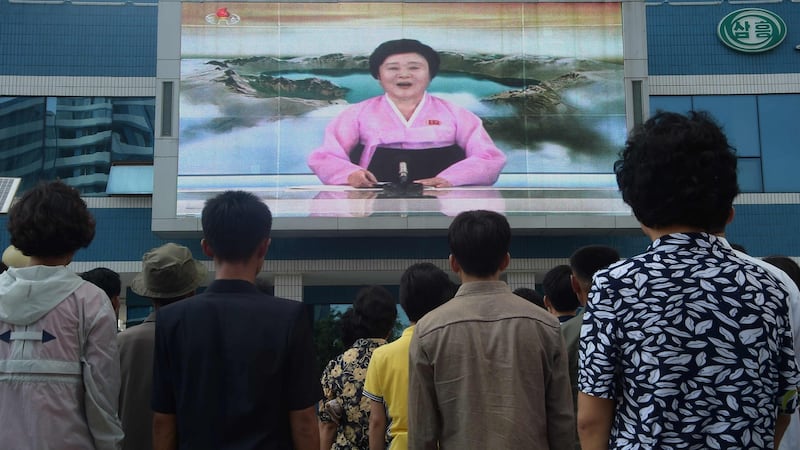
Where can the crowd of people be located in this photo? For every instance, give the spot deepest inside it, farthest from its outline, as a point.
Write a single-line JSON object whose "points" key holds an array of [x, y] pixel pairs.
{"points": [[690, 344]]}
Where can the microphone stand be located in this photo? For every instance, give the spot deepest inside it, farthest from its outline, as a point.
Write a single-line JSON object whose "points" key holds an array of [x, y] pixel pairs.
{"points": [[403, 188]]}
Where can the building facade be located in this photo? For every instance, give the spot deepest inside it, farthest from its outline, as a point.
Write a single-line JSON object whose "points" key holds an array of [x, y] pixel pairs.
{"points": [[79, 89]]}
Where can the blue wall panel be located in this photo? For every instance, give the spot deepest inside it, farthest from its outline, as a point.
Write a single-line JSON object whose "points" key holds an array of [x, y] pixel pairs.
{"points": [[675, 103], [779, 117], [124, 235], [749, 173], [766, 230], [73, 40], [682, 40]]}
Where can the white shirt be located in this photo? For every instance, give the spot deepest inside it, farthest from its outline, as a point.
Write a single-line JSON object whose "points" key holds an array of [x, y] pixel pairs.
{"points": [[791, 439]]}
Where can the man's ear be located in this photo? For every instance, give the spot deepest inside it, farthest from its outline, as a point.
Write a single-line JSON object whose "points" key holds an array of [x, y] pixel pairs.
{"points": [[505, 262], [576, 286], [263, 247], [548, 306], [731, 215], [207, 250], [454, 266]]}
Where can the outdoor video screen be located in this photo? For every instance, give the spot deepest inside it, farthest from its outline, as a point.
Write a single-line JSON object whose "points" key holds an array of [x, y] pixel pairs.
{"points": [[285, 100]]}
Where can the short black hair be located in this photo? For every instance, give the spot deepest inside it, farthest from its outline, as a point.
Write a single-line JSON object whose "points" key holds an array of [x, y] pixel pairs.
{"points": [[678, 170], [558, 289], [479, 240], [104, 278], [50, 220], [372, 315], [234, 223], [423, 288], [587, 260], [787, 265], [531, 296], [400, 46]]}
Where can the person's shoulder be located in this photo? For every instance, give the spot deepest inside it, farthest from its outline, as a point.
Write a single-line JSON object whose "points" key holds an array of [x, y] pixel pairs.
{"points": [[389, 350], [135, 336], [353, 112], [537, 313], [381, 354], [759, 270], [176, 311], [89, 292], [621, 269], [572, 328], [439, 315], [135, 331], [94, 300], [767, 268], [281, 306], [370, 104]]}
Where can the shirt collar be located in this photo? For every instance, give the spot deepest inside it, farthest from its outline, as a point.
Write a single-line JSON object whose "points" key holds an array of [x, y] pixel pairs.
{"points": [[369, 342], [400, 116], [686, 240], [483, 287], [228, 285]]}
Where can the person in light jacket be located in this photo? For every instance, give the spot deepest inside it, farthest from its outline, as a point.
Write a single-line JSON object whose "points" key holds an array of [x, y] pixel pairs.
{"points": [[59, 367]]}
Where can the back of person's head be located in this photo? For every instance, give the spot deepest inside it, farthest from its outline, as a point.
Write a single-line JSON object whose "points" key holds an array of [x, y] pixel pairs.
{"points": [[347, 328], [787, 265], [372, 316], [50, 220], [558, 289], [169, 273], [479, 241], [678, 170], [531, 296], [106, 279], [587, 260], [424, 287], [234, 224]]}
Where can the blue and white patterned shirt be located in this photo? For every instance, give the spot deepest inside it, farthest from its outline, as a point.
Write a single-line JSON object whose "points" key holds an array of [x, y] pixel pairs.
{"points": [[693, 344]]}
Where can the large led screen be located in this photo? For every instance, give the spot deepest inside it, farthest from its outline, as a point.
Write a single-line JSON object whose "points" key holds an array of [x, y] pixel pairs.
{"points": [[280, 99]]}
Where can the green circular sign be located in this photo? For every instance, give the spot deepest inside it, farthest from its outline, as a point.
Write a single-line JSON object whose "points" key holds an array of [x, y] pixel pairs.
{"points": [[752, 30]]}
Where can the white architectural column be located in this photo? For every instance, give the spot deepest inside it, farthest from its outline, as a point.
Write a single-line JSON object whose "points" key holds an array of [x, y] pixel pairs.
{"points": [[289, 285], [521, 279]]}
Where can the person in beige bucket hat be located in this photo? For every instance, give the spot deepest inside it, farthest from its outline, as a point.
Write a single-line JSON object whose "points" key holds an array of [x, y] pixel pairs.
{"points": [[169, 273]]}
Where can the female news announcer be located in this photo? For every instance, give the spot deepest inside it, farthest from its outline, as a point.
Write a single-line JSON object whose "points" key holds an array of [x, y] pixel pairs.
{"points": [[441, 144]]}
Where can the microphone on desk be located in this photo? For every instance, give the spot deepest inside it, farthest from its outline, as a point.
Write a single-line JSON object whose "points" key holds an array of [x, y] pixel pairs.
{"points": [[403, 172], [403, 188]]}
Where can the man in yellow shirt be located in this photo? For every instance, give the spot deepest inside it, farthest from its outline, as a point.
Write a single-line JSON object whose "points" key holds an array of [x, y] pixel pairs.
{"points": [[423, 287]]}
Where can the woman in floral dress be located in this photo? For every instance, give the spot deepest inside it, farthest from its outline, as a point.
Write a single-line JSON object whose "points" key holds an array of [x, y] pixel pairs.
{"points": [[344, 412]]}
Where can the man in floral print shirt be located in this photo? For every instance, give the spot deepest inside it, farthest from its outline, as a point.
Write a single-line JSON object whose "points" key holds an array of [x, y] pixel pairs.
{"points": [[686, 345]]}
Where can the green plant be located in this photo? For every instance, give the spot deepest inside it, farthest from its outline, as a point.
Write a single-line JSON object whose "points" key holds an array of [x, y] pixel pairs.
{"points": [[327, 339]]}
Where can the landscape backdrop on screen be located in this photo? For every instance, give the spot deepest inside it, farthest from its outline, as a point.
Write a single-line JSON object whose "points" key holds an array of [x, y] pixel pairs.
{"points": [[260, 81]]}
